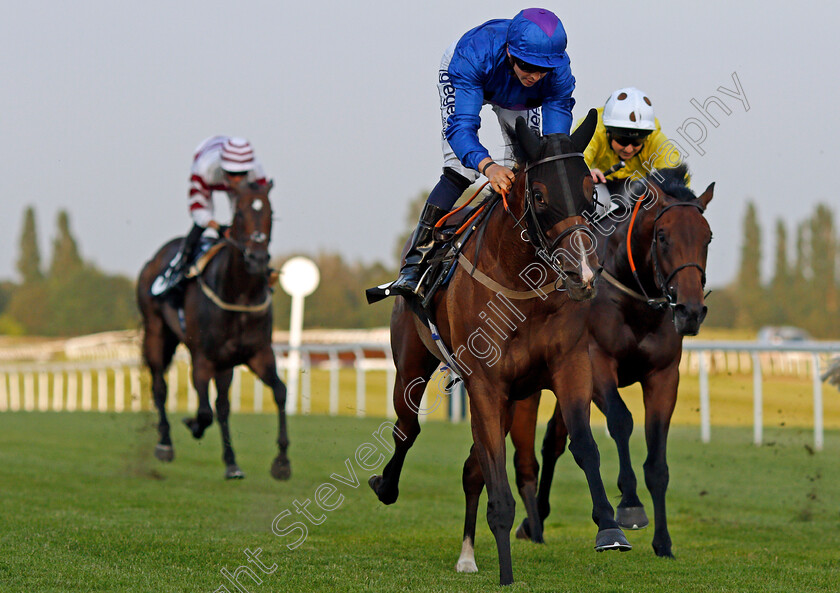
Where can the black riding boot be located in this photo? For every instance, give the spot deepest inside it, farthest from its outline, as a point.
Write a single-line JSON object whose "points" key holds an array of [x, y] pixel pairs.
{"points": [[422, 243], [174, 273]]}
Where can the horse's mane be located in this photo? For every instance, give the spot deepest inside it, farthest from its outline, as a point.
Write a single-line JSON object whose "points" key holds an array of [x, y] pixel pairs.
{"points": [[672, 181]]}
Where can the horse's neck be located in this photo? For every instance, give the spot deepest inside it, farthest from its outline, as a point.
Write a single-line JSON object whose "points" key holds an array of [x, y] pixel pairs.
{"points": [[503, 253], [617, 261], [231, 277]]}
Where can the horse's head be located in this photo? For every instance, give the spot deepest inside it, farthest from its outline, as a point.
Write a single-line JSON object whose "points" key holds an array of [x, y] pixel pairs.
{"points": [[250, 230], [556, 190], [679, 245]]}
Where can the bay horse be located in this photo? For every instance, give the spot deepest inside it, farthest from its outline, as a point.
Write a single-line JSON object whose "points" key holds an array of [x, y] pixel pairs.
{"points": [[540, 342], [651, 294], [227, 321]]}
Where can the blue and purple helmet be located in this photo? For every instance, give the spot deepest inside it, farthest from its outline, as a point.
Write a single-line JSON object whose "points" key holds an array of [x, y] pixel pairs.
{"points": [[537, 36]]}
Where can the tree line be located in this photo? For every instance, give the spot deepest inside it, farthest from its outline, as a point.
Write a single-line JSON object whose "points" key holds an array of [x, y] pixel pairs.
{"points": [[71, 296], [803, 288]]}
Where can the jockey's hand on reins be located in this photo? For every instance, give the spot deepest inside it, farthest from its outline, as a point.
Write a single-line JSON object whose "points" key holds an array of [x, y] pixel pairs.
{"points": [[501, 178]]}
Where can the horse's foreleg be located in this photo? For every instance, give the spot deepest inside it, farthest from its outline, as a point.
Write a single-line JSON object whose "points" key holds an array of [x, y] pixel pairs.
{"points": [[660, 395], [202, 372], [223, 380], [573, 388], [158, 348], [264, 366], [522, 432], [472, 481], [489, 436]]}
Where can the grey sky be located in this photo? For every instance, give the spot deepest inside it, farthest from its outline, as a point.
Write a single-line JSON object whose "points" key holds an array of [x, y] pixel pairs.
{"points": [[103, 103]]}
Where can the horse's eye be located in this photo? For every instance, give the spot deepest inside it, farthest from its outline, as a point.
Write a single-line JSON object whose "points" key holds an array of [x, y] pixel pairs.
{"points": [[661, 237], [538, 197]]}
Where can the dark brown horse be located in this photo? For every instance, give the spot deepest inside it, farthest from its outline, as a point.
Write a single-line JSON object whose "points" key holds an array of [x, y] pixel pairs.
{"points": [[636, 325], [226, 322], [506, 349]]}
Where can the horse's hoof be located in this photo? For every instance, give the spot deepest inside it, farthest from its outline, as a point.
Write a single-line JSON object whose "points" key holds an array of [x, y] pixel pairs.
{"points": [[194, 427], [611, 539], [164, 452], [375, 483], [466, 566], [281, 469], [232, 472], [524, 530], [663, 550], [631, 517]]}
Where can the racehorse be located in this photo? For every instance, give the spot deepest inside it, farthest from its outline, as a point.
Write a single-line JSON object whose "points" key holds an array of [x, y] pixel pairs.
{"points": [[649, 297], [226, 322], [538, 342]]}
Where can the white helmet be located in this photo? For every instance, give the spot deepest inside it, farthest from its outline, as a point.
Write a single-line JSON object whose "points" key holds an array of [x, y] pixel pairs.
{"points": [[631, 111], [237, 155]]}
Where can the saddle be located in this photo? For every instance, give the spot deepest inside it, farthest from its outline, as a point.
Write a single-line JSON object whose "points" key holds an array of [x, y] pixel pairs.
{"points": [[208, 248], [450, 239]]}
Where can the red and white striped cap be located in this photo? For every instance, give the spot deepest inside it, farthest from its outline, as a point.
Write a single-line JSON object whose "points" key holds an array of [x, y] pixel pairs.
{"points": [[237, 155]]}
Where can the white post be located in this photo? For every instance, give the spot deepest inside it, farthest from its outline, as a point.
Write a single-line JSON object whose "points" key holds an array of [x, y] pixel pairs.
{"points": [[295, 339], [192, 397], [43, 391], [172, 387], [4, 393], [87, 390], [360, 383], [102, 390], [29, 391], [58, 391], [258, 394], [390, 379], [705, 422], [72, 390], [236, 390], [818, 403], [306, 388], [299, 277], [758, 421], [136, 396], [119, 389], [457, 414], [335, 365]]}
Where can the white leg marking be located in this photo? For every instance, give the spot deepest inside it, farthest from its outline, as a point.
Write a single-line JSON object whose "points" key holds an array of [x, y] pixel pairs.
{"points": [[466, 563]]}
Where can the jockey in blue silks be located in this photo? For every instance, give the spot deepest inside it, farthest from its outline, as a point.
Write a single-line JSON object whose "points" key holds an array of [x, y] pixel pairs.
{"points": [[520, 67]]}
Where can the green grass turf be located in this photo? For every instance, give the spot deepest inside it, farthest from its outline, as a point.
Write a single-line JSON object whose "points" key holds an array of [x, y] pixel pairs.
{"points": [[85, 507]]}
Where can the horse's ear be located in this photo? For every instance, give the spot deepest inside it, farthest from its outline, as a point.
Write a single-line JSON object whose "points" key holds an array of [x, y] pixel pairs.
{"points": [[528, 139], [269, 185], [583, 134], [707, 195]]}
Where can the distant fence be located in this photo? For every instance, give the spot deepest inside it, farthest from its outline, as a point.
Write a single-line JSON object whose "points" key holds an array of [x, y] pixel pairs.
{"points": [[121, 385], [794, 357]]}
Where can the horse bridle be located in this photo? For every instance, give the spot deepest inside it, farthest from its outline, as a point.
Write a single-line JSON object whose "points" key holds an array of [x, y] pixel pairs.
{"points": [[535, 233], [256, 236], [664, 283]]}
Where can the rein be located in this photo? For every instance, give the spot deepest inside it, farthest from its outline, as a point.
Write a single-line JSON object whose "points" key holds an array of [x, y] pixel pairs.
{"points": [[208, 292], [667, 298]]}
